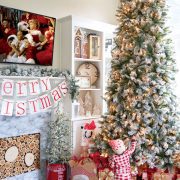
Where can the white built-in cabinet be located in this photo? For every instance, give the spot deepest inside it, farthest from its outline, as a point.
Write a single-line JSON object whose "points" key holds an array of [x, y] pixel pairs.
{"points": [[70, 28]]}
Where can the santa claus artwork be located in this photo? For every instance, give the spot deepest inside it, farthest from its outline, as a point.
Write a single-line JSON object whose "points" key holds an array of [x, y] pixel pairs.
{"points": [[120, 161], [6, 30], [44, 57]]}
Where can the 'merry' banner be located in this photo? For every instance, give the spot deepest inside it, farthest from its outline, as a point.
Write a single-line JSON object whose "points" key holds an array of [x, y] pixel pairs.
{"points": [[32, 96]]}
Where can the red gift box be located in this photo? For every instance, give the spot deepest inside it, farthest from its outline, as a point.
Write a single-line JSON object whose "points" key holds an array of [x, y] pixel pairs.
{"points": [[56, 172]]}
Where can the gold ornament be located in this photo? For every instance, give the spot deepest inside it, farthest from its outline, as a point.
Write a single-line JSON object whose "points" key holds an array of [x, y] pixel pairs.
{"points": [[104, 154], [112, 108], [138, 119], [116, 75], [107, 96], [105, 139]]}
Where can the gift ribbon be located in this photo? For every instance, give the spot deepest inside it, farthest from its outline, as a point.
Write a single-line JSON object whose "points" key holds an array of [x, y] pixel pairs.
{"points": [[106, 173], [101, 162], [85, 160], [161, 176]]}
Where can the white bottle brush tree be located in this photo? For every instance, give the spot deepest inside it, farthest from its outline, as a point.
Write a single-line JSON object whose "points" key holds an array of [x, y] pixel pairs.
{"points": [[140, 94], [59, 144]]}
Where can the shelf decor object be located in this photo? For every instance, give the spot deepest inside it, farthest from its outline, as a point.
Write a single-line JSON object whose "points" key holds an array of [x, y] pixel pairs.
{"points": [[81, 107], [85, 46], [78, 43], [83, 81], [88, 69], [88, 104], [94, 47], [96, 110]]}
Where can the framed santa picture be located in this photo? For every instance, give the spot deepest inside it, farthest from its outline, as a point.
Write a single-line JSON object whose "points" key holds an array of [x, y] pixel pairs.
{"points": [[26, 37]]}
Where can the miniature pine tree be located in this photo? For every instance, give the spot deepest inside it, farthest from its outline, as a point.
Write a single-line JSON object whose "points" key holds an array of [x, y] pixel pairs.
{"points": [[59, 146], [140, 93]]}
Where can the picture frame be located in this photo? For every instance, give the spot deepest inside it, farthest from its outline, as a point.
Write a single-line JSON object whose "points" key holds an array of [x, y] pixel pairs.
{"points": [[83, 81], [26, 37], [94, 42], [20, 155]]}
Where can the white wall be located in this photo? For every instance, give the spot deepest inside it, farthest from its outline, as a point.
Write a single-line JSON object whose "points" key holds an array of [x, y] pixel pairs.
{"points": [[100, 10], [174, 24]]}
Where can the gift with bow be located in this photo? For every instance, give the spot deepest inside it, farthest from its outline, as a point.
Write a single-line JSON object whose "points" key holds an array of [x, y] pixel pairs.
{"points": [[85, 167], [162, 176], [100, 161], [106, 174]]}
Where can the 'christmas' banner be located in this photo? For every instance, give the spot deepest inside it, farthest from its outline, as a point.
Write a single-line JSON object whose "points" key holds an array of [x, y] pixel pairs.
{"points": [[21, 97]]}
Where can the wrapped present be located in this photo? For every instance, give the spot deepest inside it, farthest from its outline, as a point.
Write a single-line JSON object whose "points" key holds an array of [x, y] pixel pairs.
{"points": [[100, 161], [133, 177], [84, 151], [57, 171], [162, 176], [83, 169], [106, 174], [176, 159], [143, 168], [150, 173], [134, 171]]}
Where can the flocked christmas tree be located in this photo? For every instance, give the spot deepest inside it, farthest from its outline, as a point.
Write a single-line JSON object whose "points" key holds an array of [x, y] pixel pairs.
{"points": [[140, 94], [59, 145]]}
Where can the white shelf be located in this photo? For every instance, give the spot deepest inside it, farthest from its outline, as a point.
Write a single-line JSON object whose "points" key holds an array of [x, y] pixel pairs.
{"points": [[68, 25], [87, 60], [89, 89], [80, 118]]}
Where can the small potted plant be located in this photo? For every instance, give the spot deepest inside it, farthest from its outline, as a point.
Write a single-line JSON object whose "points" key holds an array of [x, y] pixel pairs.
{"points": [[59, 147]]}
